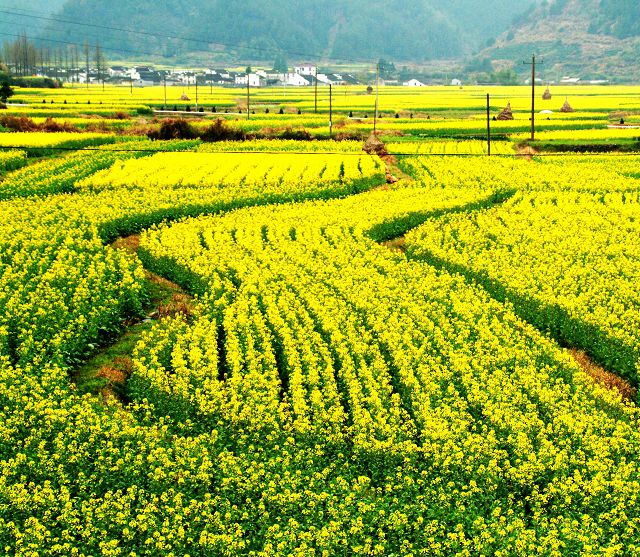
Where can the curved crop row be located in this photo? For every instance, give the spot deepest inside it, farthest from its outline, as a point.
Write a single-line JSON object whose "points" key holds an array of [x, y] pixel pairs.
{"points": [[568, 262], [60, 175], [264, 173], [283, 145], [12, 160], [510, 445]]}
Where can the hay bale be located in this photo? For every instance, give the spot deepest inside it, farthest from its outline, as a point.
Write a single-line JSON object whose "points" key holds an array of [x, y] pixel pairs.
{"points": [[507, 113], [184, 97], [374, 146], [547, 95], [566, 107]]}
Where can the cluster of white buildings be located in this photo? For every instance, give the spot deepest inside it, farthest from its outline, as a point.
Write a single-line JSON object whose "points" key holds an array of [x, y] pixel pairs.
{"points": [[302, 76], [305, 75]]}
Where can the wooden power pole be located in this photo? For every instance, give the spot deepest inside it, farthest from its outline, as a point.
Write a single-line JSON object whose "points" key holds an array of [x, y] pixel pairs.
{"points": [[375, 114], [248, 95], [488, 126], [533, 94], [330, 111], [315, 104]]}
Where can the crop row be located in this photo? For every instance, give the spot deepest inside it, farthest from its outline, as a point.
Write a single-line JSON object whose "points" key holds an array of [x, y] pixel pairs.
{"points": [[43, 143], [12, 160], [450, 148], [567, 261], [329, 337], [61, 174], [265, 173], [595, 174], [283, 145]]}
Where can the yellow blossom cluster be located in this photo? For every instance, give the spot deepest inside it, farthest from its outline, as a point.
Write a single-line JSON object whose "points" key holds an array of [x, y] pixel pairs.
{"points": [[12, 160], [323, 334], [567, 261], [327, 395], [262, 173], [451, 148], [43, 140]]}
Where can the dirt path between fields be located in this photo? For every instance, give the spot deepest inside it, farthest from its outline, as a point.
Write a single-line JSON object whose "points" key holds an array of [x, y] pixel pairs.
{"points": [[108, 370]]}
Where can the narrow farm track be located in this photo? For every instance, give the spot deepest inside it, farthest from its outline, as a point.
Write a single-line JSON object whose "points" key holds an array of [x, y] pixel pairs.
{"points": [[107, 370]]}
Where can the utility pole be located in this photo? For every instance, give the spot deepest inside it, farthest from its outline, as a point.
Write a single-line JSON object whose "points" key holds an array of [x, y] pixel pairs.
{"points": [[86, 56], [164, 82], [196, 80], [488, 126], [315, 106], [330, 111], [533, 94], [248, 96], [66, 64], [375, 115], [100, 63]]}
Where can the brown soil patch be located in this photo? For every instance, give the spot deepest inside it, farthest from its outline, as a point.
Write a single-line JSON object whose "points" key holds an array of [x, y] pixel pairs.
{"points": [[374, 146], [116, 375], [180, 304], [131, 244], [157, 279], [603, 377], [397, 244], [527, 152], [118, 372]]}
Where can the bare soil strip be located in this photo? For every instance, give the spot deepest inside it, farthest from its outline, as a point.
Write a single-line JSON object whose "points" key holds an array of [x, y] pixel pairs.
{"points": [[603, 377], [107, 371]]}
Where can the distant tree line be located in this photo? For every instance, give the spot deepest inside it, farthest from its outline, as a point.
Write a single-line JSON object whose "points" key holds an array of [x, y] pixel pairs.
{"points": [[23, 57]]}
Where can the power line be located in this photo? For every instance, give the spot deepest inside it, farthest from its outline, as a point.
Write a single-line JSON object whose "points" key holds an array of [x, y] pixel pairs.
{"points": [[319, 153], [121, 50], [21, 13]]}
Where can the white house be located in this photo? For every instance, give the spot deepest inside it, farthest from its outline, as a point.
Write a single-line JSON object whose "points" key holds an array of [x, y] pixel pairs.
{"points": [[306, 69], [331, 79], [132, 74], [117, 71], [295, 80], [186, 78], [255, 80], [413, 83], [456, 82]]}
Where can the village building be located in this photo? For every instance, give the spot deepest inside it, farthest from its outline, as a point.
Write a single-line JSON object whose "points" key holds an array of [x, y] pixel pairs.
{"points": [[413, 83], [254, 79], [306, 69]]}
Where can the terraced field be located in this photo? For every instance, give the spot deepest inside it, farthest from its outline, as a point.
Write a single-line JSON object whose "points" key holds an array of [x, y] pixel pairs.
{"points": [[349, 365]]}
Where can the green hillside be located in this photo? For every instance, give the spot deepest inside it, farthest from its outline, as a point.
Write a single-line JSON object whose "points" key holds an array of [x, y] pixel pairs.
{"points": [[589, 39], [257, 30], [17, 16]]}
